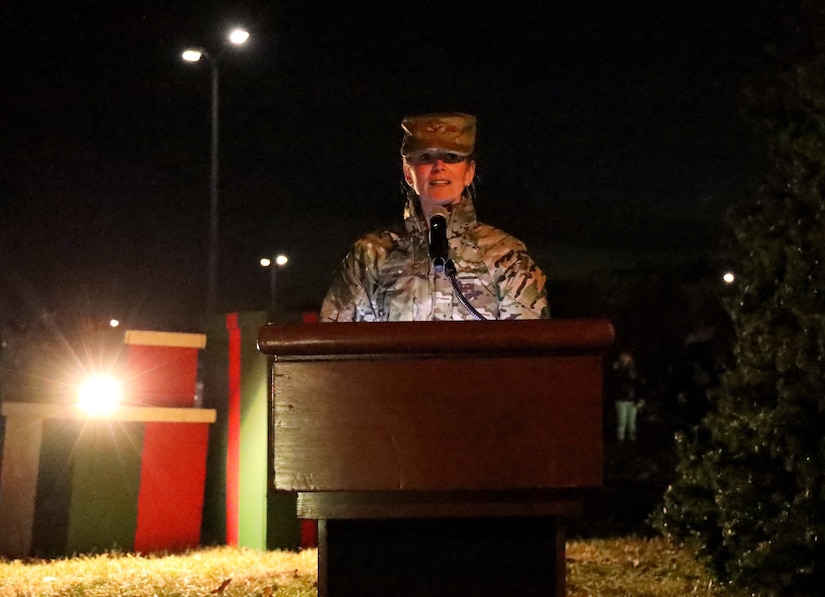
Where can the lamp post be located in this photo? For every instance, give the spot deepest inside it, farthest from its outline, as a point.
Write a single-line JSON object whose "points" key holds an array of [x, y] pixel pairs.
{"points": [[235, 37], [273, 264]]}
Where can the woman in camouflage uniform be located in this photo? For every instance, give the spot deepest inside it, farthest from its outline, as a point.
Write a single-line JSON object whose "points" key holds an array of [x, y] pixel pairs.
{"points": [[389, 275]]}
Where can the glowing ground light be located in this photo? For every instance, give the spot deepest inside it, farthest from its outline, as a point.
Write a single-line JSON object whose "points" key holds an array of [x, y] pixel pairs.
{"points": [[99, 394], [728, 278]]}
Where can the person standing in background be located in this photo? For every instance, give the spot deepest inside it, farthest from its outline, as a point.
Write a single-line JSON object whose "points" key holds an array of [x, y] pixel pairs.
{"points": [[625, 387]]}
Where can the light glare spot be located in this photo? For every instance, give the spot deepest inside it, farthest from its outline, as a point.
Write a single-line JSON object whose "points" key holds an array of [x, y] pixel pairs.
{"points": [[99, 394]]}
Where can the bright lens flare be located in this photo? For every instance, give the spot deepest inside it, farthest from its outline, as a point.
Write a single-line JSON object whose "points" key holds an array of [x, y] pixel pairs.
{"points": [[99, 394]]}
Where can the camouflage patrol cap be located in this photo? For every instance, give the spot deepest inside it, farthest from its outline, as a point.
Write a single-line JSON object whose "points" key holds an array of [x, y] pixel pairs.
{"points": [[453, 131]]}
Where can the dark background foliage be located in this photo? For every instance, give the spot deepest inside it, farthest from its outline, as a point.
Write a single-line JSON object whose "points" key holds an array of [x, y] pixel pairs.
{"points": [[750, 481]]}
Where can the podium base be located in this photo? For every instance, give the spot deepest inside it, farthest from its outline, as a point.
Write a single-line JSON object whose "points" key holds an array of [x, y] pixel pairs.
{"points": [[501, 556]]}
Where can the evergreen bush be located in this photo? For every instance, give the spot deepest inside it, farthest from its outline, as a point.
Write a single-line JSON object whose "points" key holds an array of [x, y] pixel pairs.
{"points": [[750, 482]]}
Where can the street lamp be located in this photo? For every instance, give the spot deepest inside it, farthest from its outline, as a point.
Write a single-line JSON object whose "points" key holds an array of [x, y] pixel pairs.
{"points": [[236, 37], [273, 264]]}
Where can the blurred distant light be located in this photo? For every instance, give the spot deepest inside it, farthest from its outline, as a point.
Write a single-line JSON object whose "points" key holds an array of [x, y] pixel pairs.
{"points": [[99, 394], [238, 36], [728, 278], [192, 55], [279, 260], [113, 323]]}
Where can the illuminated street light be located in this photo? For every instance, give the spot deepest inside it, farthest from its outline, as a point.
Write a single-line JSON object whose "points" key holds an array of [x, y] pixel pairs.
{"points": [[728, 278], [273, 264], [279, 260], [193, 54], [236, 37]]}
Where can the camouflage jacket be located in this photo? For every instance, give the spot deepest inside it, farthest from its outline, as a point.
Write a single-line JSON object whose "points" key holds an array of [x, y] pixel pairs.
{"points": [[388, 276]]}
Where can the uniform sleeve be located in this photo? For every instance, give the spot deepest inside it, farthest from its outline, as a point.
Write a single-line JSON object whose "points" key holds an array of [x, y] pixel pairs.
{"points": [[522, 287], [349, 295]]}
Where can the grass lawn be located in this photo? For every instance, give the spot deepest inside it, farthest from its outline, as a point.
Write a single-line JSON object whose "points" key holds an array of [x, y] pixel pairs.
{"points": [[627, 567]]}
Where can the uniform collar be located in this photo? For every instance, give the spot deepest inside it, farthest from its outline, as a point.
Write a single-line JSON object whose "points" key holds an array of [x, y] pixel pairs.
{"points": [[462, 215]]}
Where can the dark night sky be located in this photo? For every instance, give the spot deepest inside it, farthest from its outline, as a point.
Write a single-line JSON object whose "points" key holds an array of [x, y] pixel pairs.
{"points": [[607, 131]]}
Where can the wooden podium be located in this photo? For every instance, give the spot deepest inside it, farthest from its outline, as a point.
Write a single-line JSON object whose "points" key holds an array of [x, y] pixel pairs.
{"points": [[438, 458]]}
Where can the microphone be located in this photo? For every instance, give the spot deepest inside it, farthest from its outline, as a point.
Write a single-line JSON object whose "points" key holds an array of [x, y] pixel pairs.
{"points": [[439, 248]]}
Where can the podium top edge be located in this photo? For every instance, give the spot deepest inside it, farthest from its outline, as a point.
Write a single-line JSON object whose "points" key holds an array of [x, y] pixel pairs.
{"points": [[454, 337], [145, 414]]}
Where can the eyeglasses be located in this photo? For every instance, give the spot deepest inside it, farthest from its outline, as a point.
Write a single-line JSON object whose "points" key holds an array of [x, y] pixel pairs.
{"points": [[431, 157]]}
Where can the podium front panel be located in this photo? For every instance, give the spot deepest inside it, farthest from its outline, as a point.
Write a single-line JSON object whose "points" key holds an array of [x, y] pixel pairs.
{"points": [[437, 423]]}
